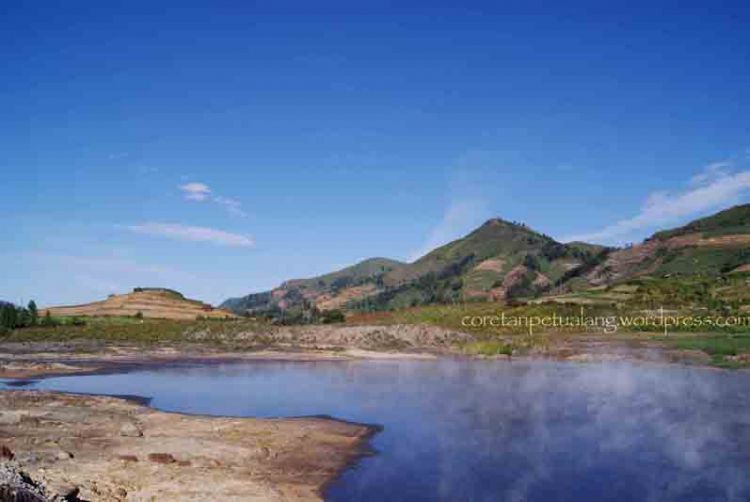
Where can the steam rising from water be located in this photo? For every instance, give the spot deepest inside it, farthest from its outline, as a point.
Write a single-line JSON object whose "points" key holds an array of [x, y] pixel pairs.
{"points": [[484, 430]]}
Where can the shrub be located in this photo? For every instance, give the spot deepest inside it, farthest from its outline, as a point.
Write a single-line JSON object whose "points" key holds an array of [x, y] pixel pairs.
{"points": [[332, 316], [48, 320]]}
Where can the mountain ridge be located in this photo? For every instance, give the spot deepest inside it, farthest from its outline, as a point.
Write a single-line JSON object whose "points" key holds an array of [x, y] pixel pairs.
{"points": [[497, 258], [502, 261]]}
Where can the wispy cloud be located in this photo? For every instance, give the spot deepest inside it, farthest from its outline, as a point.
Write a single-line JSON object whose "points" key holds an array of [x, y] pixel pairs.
{"points": [[200, 192], [191, 233], [195, 191], [468, 205], [460, 217], [232, 205], [718, 185]]}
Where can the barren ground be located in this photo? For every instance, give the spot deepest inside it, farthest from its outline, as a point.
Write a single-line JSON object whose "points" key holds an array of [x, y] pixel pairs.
{"points": [[109, 449]]}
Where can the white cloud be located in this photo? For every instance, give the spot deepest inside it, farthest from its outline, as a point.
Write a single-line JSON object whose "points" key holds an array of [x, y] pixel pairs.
{"points": [[710, 173], [232, 205], [467, 185], [191, 233], [460, 217], [201, 192], [195, 191], [717, 186]]}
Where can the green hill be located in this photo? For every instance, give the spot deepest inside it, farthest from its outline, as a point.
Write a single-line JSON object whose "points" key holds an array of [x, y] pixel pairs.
{"points": [[707, 247], [732, 221], [497, 261], [505, 261], [706, 262], [326, 292]]}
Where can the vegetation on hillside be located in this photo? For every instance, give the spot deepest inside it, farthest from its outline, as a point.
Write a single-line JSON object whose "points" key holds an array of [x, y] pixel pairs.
{"points": [[500, 259], [508, 262], [735, 220], [295, 296]]}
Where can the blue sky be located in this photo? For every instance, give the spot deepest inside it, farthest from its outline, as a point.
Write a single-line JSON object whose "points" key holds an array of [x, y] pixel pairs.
{"points": [[221, 147]]}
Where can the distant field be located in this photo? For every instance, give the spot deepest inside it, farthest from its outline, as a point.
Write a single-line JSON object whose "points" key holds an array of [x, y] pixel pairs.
{"points": [[724, 346], [727, 346], [157, 303], [131, 330]]}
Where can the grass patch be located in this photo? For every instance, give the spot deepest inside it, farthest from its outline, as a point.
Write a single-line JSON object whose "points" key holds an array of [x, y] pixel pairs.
{"points": [[489, 348], [729, 351], [714, 345]]}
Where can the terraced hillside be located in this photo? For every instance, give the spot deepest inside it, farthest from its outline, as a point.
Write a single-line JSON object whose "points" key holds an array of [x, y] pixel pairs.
{"points": [[497, 261], [158, 303], [325, 292], [709, 247], [704, 263], [503, 261]]}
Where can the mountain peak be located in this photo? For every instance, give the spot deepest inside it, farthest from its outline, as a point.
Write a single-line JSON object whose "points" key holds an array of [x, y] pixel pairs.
{"points": [[496, 221]]}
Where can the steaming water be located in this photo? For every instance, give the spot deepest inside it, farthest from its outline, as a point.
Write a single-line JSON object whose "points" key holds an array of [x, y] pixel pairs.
{"points": [[482, 430]]}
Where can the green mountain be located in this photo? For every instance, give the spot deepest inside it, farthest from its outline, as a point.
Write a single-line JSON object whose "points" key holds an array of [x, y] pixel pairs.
{"points": [[499, 260], [326, 292], [504, 261]]}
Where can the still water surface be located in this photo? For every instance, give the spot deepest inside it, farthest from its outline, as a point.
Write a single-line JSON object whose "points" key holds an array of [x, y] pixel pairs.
{"points": [[459, 430]]}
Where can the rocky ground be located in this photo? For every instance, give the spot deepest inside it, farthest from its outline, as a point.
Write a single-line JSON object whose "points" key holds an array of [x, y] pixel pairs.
{"points": [[395, 337], [28, 360], [107, 449]]}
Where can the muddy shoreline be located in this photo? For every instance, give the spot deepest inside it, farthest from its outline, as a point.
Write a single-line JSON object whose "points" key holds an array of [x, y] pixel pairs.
{"points": [[107, 448], [21, 363], [300, 456]]}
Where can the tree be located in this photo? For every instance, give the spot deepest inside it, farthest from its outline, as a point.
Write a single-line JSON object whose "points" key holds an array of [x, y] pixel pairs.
{"points": [[8, 316], [33, 313], [47, 319]]}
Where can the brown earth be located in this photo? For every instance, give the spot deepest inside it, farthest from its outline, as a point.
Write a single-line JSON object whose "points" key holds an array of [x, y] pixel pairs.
{"points": [[741, 269], [159, 304], [110, 449], [492, 264], [28, 360], [628, 262], [30, 369], [339, 300], [738, 240], [405, 338]]}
